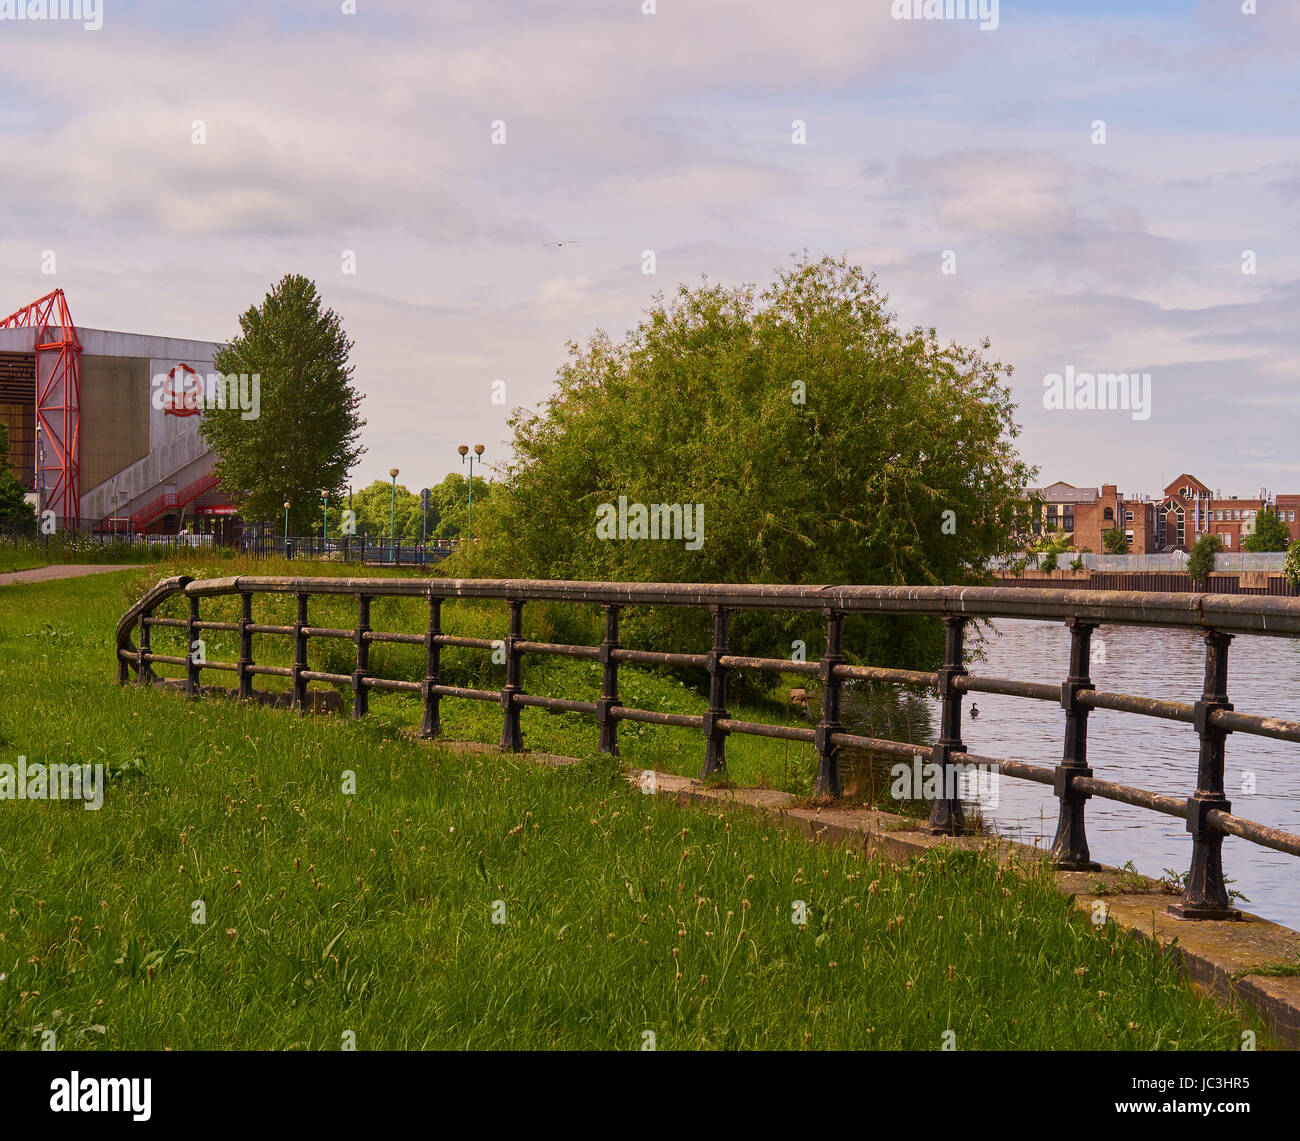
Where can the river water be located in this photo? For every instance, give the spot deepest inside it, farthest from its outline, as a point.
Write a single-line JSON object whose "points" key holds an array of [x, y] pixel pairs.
{"points": [[1149, 753]]}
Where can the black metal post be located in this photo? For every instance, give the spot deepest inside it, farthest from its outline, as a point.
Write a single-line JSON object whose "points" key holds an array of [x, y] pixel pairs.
{"points": [[715, 755], [1070, 848], [360, 695], [609, 683], [511, 736], [300, 656], [245, 645], [828, 766], [432, 670], [1206, 896], [946, 817], [191, 666]]}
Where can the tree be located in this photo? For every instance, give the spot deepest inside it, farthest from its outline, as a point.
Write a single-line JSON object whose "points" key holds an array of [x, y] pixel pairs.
{"points": [[822, 442], [1114, 542], [17, 516], [1271, 534], [1292, 566], [1201, 563], [451, 505], [305, 437], [373, 505]]}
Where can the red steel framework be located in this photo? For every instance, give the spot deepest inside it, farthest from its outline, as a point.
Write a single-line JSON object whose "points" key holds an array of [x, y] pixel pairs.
{"points": [[58, 398]]}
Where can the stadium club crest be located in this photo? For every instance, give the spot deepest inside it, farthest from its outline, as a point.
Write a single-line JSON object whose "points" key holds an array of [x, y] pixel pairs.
{"points": [[180, 393]]}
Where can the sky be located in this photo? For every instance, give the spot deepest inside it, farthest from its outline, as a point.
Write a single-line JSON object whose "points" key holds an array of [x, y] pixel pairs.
{"points": [[357, 147]]}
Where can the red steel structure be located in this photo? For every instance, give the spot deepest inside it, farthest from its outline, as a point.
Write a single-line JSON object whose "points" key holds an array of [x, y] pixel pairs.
{"points": [[173, 499], [58, 398]]}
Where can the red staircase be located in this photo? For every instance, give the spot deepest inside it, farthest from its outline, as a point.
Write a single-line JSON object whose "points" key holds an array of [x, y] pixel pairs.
{"points": [[164, 503]]}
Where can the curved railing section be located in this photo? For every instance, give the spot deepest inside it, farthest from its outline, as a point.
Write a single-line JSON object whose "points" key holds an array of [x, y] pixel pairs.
{"points": [[1216, 618]]}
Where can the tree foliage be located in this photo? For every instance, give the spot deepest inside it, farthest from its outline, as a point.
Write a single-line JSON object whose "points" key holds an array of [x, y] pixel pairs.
{"points": [[448, 508], [1114, 542], [1292, 566], [306, 437], [824, 443], [1271, 534], [1201, 563], [17, 516]]}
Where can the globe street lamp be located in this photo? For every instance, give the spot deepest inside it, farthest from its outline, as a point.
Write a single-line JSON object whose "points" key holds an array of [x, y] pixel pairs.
{"points": [[464, 451], [392, 513], [325, 526], [286, 528]]}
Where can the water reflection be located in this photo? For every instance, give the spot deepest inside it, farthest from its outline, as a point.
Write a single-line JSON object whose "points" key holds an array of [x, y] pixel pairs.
{"points": [[1263, 677]]}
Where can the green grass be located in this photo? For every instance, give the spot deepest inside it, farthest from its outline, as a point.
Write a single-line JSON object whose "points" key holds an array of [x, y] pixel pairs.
{"points": [[371, 911]]}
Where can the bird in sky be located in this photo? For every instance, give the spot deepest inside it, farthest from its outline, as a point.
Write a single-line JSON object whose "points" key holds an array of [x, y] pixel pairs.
{"points": [[569, 242]]}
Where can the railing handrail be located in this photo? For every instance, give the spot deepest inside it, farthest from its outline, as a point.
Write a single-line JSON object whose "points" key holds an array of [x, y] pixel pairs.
{"points": [[1234, 614], [1217, 618]]}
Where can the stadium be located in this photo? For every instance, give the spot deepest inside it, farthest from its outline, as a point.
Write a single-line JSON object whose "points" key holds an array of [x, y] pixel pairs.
{"points": [[103, 426]]}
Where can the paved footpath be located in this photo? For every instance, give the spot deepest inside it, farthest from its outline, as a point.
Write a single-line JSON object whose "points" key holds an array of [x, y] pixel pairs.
{"points": [[60, 570]]}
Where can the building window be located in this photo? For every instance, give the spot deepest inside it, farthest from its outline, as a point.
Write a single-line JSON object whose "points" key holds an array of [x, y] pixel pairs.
{"points": [[1108, 514], [1128, 516], [1227, 539]]}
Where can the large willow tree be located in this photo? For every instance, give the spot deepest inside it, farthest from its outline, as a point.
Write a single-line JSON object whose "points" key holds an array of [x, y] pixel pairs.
{"points": [[826, 444]]}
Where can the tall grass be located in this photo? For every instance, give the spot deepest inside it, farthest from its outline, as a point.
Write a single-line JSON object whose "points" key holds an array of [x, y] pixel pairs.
{"points": [[333, 907]]}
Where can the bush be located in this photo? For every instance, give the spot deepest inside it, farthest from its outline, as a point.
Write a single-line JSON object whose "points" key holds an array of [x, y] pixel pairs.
{"points": [[1201, 563]]}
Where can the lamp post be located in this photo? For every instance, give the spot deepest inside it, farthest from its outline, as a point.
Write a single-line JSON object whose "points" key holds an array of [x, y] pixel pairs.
{"points": [[464, 451], [325, 526], [286, 528], [392, 516]]}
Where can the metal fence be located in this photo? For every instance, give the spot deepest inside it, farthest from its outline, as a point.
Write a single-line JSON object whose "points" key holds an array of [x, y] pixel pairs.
{"points": [[351, 549], [1216, 618], [1175, 562]]}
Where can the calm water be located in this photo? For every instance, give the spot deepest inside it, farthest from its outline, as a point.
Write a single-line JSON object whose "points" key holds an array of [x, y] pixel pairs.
{"points": [[1263, 677]]}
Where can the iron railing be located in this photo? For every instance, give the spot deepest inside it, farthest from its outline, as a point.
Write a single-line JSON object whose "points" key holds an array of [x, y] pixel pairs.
{"points": [[1216, 618]]}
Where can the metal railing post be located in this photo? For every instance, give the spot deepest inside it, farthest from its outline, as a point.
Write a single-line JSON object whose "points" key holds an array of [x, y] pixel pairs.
{"points": [[191, 664], [511, 737], [1206, 895], [431, 726], [715, 755], [300, 655], [360, 695], [946, 817], [609, 683], [1070, 847], [245, 645], [828, 766]]}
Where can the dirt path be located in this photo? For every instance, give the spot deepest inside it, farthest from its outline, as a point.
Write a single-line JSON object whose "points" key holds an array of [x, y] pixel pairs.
{"points": [[59, 570]]}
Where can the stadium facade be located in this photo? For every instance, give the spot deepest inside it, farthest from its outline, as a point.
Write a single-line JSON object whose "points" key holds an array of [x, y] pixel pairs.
{"points": [[103, 426]]}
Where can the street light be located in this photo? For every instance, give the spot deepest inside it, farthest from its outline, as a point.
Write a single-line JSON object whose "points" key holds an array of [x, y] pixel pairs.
{"points": [[286, 528], [392, 512], [464, 451], [325, 526]]}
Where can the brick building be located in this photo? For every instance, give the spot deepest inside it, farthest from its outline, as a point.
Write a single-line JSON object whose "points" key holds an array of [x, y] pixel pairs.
{"points": [[1187, 510]]}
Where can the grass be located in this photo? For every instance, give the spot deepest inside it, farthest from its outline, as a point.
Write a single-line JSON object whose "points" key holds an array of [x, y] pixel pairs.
{"points": [[348, 877]]}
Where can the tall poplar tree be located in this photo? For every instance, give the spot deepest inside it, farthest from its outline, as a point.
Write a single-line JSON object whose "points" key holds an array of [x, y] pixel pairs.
{"points": [[306, 436]]}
